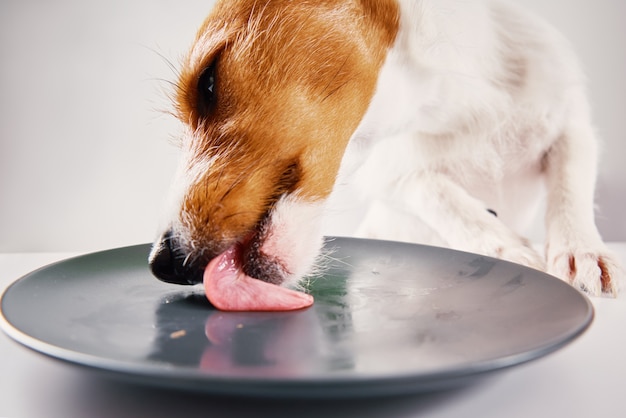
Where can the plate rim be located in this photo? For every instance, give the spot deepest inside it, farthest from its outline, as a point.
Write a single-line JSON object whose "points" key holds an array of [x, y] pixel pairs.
{"points": [[190, 379]]}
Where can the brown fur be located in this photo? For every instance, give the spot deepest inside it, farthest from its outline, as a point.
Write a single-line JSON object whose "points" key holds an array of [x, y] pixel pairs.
{"points": [[280, 126]]}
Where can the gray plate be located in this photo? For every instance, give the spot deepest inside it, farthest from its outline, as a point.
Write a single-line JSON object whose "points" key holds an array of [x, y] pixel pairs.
{"points": [[388, 318]]}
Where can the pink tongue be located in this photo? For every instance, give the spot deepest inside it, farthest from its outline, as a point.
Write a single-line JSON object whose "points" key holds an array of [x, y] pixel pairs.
{"points": [[230, 289]]}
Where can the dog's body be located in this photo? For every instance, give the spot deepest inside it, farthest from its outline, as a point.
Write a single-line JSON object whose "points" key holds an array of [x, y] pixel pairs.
{"points": [[441, 112]]}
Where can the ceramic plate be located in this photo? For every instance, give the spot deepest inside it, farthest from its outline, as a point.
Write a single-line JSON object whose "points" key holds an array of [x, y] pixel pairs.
{"points": [[388, 318]]}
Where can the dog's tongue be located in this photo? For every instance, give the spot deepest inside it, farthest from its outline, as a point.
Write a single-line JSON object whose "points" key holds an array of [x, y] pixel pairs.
{"points": [[228, 288]]}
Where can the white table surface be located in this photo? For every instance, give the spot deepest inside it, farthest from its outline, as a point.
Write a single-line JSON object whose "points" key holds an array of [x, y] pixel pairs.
{"points": [[585, 379]]}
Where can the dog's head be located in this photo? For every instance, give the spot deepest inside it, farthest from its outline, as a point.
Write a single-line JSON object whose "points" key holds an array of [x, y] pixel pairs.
{"points": [[270, 95]]}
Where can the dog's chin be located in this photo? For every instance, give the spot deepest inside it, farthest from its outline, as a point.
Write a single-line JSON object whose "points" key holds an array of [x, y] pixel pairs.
{"points": [[259, 265], [290, 244], [249, 256], [272, 255]]}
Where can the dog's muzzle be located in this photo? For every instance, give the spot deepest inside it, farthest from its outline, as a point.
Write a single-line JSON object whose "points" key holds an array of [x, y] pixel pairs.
{"points": [[169, 264]]}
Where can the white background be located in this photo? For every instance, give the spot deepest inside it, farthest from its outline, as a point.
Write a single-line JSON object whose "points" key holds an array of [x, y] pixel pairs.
{"points": [[85, 148]]}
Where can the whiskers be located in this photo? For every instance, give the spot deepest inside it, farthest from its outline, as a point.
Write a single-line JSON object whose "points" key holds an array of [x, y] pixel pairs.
{"points": [[322, 268]]}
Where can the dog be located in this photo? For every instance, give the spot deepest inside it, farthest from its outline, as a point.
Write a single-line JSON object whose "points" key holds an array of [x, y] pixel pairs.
{"points": [[451, 118]]}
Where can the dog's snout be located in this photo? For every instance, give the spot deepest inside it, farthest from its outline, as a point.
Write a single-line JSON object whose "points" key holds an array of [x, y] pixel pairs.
{"points": [[169, 264]]}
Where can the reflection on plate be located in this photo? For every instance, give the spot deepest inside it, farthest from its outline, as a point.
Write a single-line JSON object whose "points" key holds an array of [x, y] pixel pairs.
{"points": [[388, 318]]}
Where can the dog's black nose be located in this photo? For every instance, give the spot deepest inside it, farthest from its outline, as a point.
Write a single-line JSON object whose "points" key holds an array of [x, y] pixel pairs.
{"points": [[169, 264]]}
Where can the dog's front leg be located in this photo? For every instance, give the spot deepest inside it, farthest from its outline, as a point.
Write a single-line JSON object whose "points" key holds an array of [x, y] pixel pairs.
{"points": [[574, 249], [463, 221]]}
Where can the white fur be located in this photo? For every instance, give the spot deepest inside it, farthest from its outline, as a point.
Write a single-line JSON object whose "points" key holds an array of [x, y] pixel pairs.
{"points": [[481, 105], [189, 172], [294, 236]]}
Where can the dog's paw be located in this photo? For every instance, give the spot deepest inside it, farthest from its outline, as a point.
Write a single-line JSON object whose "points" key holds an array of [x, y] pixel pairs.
{"points": [[501, 242], [522, 254], [593, 271]]}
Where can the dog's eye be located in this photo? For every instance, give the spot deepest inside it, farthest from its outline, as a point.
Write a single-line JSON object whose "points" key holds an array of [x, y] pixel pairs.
{"points": [[206, 87]]}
